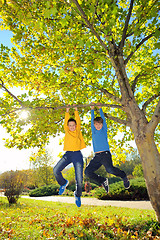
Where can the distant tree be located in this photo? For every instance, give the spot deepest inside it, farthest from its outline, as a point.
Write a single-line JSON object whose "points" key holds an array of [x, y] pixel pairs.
{"points": [[138, 171], [132, 159], [43, 171], [69, 174]]}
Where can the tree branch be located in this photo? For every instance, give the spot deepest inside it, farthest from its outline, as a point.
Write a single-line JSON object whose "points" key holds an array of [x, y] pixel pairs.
{"points": [[136, 79], [149, 101], [64, 107], [121, 45], [114, 98], [115, 119], [155, 118], [83, 15], [138, 46], [2, 84]]}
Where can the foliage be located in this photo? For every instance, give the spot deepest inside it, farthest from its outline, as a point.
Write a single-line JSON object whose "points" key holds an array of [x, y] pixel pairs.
{"points": [[137, 191], [138, 171], [67, 47], [45, 191], [32, 219], [76, 52], [42, 166], [13, 184], [132, 159], [69, 174]]}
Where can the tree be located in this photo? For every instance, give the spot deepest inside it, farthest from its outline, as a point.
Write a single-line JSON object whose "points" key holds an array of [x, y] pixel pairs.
{"points": [[13, 184], [43, 171], [73, 51], [132, 160], [138, 171]]}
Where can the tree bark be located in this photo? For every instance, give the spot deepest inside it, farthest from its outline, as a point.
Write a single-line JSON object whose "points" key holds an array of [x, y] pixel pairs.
{"points": [[151, 166], [143, 133]]}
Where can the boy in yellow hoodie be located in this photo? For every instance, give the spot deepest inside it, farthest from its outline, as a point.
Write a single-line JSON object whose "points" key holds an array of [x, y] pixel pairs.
{"points": [[73, 143]]}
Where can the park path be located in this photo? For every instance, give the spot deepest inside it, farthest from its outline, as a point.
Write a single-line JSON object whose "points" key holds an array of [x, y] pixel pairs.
{"points": [[97, 202]]}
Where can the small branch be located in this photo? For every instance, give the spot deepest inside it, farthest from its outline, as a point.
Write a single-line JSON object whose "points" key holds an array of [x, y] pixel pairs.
{"points": [[126, 25], [138, 46], [83, 15], [155, 118], [136, 80], [2, 84], [137, 77], [115, 119], [149, 101], [114, 98]]}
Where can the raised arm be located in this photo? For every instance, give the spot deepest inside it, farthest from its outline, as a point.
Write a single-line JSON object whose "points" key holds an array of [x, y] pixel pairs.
{"points": [[77, 118], [67, 116], [92, 118], [103, 117]]}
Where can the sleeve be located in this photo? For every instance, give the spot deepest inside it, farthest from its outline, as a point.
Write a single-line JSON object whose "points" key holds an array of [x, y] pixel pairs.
{"points": [[77, 118], [103, 117], [92, 119], [67, 116]]}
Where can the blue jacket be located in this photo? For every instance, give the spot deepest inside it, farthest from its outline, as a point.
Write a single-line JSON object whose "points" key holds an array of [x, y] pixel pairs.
{"points": [[99, 137]]}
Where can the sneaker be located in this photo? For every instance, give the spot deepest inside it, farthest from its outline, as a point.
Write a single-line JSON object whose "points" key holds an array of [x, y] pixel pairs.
{"points": [[77, 200], [105, 185], [63, 187], [126, 183]]}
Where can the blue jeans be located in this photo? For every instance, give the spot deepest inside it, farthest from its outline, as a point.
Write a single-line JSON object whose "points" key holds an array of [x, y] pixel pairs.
{"points": [[105, 159], [76, 158]]}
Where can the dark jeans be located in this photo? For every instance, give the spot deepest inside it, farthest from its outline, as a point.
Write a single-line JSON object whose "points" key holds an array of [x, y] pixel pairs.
{"points": [[76, 158], [105, 159]]}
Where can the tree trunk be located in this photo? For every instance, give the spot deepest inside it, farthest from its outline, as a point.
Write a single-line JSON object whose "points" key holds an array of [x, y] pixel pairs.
{"points": [[151, 167]]}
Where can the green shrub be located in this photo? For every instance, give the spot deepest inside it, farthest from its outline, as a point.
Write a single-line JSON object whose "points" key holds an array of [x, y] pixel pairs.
{"points": [[45, 191], [13, 184], [137, 191]]}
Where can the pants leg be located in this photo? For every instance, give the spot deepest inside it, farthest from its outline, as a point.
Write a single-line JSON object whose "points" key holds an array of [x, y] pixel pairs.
{"points": [[106, 160], [78, 166], [94, 165], [63, 162]]}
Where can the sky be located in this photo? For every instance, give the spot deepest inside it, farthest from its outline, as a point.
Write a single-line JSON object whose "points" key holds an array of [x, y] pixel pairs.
{"points": [[14, 159]]}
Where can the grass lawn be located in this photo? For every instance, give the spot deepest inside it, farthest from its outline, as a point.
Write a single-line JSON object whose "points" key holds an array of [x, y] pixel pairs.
{"points": [[36, 219]]}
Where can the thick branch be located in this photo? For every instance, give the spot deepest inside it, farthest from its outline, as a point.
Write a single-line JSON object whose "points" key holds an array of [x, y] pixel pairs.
{"points": [[64, 107], [83, 15], [149, 101], [138, 46], [155, 118], [126, 25]]}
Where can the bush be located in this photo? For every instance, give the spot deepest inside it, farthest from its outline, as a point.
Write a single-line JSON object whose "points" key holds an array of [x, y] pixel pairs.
{"points": [[13, 183], [137, 191], [48, 190]]}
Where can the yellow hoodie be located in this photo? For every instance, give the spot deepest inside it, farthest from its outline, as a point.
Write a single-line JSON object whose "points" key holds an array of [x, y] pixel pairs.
{"points": [[73, 140]]}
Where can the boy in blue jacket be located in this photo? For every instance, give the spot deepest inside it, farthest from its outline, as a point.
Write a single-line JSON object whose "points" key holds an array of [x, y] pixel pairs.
{"points": [[102, 153]]}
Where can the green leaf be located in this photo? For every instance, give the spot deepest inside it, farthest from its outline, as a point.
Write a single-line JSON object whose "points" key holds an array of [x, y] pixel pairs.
{"points": [[157, 45], [53, 11]]}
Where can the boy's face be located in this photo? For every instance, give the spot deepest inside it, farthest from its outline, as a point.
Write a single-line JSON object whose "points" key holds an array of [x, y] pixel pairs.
{"points": [[72, 126], [98, 125]]}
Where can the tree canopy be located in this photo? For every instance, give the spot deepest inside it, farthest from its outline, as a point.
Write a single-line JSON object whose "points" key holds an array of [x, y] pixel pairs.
{"points": [[65, 53]]}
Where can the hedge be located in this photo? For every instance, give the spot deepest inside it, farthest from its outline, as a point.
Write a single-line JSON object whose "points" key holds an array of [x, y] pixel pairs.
{"points": [[137, 191], [45, 191]]}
